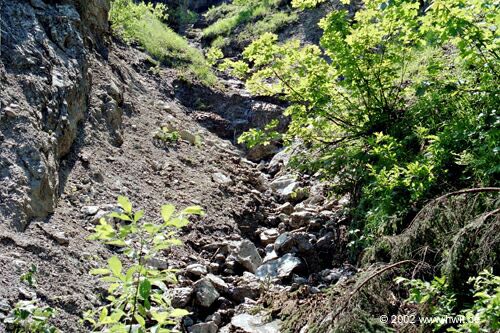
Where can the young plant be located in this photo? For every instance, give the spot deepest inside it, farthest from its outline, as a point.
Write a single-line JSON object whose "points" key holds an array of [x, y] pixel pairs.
{"points": [[30, 276], [167, 136], [27, 317], [138, 293], [436, 299], [214, 54]]}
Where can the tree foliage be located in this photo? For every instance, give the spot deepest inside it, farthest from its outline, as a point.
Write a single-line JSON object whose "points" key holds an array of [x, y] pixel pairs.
{"points": [[401, 99]]}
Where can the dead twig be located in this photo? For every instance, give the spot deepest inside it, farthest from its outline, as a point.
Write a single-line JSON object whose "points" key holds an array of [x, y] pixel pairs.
{"points": [[368, 279]]}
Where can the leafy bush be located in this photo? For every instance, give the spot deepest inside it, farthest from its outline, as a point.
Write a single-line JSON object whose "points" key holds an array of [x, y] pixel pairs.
{"points": [[138, 293], [27, 317], [184, 15], [142, 23], [214, 54], [436, 299], [263, 137], [401, 100]]}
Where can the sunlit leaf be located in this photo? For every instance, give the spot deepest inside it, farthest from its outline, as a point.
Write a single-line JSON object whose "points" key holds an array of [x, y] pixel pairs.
{"points": [[115, 265], [167, 211], [124, 202]]}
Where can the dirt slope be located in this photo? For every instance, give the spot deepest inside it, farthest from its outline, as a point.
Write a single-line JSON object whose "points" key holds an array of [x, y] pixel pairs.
{"points": [[115, 153], [79, 113]]}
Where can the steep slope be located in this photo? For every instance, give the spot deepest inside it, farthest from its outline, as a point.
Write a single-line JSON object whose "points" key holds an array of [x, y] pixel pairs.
{"points": [[116, 153]]}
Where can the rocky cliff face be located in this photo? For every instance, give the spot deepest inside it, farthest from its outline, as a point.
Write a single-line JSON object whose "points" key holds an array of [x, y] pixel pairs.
{"points": [[45, 52]]}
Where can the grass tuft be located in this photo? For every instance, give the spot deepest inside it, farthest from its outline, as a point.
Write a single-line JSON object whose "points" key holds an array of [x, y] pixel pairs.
{"points": [[143, 24], [243, 20]]}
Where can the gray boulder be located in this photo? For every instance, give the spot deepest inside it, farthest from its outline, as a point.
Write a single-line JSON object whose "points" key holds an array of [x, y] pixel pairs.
{"points": [[208, 327], [299, 242], [255, 324], [181, 297], [197, 269], [301, 218], [222, 179], [245, 253], [206, 293], [279, 268], [246, 287], [285, 185], [268, 236]]}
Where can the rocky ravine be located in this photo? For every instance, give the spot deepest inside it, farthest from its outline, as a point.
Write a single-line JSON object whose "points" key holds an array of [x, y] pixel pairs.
{"points": [[78, 120]]}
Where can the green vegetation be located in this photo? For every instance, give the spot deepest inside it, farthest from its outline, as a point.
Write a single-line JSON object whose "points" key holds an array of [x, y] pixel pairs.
{"points": [[183, 15], [406, 108], [138, 299], [166, 135], [264, 137], [242, 20], [143, 24], [436, 299], [397, 106], [27, 317], [30, 276]]}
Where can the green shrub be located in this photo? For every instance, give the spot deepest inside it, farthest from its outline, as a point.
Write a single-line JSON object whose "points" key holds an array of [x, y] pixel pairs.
{"points": [[214, 54], [30, 276], [260, 137], [138, 299], [184, 15], [142, 23], [402, 102]]}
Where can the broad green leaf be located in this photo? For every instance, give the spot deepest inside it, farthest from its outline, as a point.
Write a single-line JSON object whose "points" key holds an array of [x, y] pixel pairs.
{"points": [[117, 242], [122, 217], [115, 265], [129, 276], [178, 222], [193, 210], [167, 211], [138, 215], [178, 313], [124, 202], [99, 271], [104, 314], [110, 279], [145, 289], [151, 228], [113, 287], [140, 320], [160, 317]]}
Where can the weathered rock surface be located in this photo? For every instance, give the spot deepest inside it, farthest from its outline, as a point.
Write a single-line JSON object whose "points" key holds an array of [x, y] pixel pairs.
{"points": [[208, 327], [255, 324], [285, 185], [206, 293], [246, 286], [246, 254], [45, 81], [279, 268]]}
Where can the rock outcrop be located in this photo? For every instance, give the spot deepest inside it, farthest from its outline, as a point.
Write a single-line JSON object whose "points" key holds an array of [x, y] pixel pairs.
{"points": [[45, 81]]}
